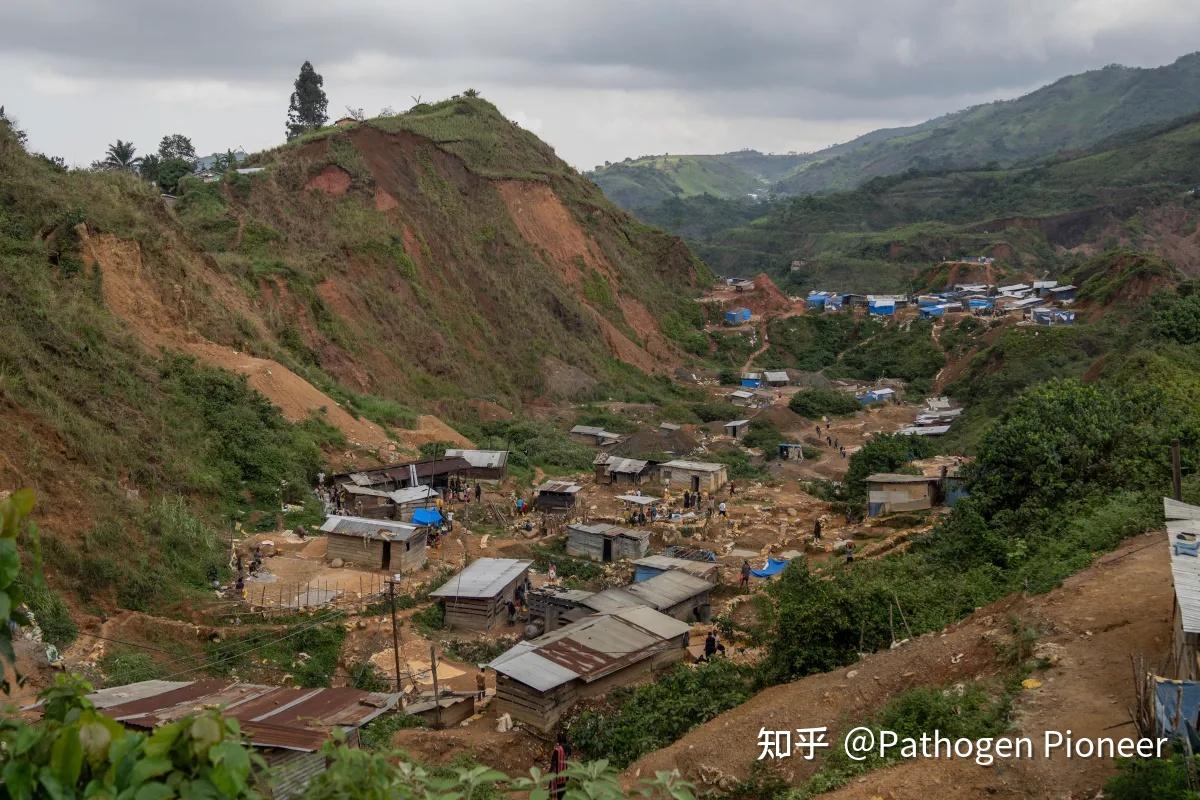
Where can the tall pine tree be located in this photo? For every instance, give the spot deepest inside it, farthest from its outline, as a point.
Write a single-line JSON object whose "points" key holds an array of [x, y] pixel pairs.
{"points": [[309, 104]]}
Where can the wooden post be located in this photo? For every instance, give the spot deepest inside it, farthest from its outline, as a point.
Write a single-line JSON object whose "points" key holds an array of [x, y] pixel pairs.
{"points": [[437, 695], [1176, 471], [395, 632]]}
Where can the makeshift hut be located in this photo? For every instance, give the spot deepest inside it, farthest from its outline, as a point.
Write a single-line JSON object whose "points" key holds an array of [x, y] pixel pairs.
{"points": [[376, 543], [737, 429], [485, 465], [288, 727], [616, 470], [601, 541], [694, 476], [475, 598], [592, 435], [539, 680], [651, 566], [889, 492], [676, 593], [556, 496], [777, 377], [436, 472], [1183, 542]]}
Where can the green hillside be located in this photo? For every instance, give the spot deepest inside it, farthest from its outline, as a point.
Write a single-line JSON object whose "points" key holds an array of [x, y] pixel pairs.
{"points": [[1131, 189], [649, 181], [1072, 114]]}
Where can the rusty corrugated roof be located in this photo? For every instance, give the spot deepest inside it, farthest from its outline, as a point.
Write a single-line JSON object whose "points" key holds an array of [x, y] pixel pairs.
{"points": [[272, 716]]}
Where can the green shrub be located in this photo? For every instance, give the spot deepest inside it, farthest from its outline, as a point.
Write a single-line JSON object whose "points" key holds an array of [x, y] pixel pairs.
{"points": [[816, 403], [649, 717], [1153, 779], [122, 665]]}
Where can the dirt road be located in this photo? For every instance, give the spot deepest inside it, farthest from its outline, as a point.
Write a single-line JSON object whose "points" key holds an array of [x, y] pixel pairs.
{"points": [[1092, 623]]}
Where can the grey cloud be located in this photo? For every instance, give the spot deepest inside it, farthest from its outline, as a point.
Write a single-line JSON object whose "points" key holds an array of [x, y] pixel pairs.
{"points": [[732, 62]]}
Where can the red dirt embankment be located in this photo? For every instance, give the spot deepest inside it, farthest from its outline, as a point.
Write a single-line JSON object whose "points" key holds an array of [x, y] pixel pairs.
{"points": [[1090, 626], [132, 296]]}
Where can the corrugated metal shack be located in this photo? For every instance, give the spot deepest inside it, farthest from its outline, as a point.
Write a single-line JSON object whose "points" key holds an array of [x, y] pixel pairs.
{"points": [[616, 470], [485, 465], [376, 543], [650, 566], [602, 541], [889, 492], [556, 496], [363, 501], [287, 726], [539, 680], [675, 593], [1183, 539], [435, 472], [475, 598], [693, 475]]}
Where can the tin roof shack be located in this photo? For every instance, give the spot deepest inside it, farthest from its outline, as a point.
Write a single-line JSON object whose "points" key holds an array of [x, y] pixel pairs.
{"points": [[363, 501], [597, 437], [434, 472], [744, 398], [616, 470], [485, 465], [890, 492], [376, 543], [736, 429], [539, 680], [693, 475], [1183, 539], [675, 593], [601, 541], [474, 598], [551, 607], [650, 566], [557, 496], [287, 726]]}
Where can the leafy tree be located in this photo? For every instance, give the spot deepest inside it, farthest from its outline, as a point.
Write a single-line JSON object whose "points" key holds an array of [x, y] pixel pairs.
{"points": [[886, 453], [121, 155], [149, 167], [309, 105], [224, 161], [171, 171], [13, 512], [11, 124], [176, 145]]}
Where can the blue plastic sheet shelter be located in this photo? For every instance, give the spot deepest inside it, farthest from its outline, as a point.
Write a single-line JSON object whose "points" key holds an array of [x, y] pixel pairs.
{"points": [[774, 567], [426, 516]]}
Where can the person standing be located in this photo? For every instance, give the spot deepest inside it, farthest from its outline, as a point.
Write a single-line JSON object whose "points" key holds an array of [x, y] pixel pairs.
{"points": [[745, 583], [817, 529], [478, 492], [723, 510], [480, 684], [558, 765]]}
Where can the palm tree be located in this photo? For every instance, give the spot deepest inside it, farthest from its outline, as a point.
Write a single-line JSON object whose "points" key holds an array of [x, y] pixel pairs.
{"points": [[121, 156]]}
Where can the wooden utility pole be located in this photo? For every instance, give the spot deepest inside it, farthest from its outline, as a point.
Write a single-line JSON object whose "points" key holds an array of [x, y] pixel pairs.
{"points": [[1176, 471], [395, 631], [437, 695]]}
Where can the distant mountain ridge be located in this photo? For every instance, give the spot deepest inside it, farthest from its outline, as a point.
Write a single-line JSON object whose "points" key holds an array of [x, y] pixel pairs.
{"points": [[1071, 114]]}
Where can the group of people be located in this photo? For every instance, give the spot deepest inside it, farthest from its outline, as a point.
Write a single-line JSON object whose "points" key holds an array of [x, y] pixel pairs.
{"points": [[832, 441], [519, 600]]}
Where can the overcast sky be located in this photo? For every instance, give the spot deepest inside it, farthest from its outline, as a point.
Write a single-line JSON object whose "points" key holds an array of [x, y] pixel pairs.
{"points": [[598, 80]]}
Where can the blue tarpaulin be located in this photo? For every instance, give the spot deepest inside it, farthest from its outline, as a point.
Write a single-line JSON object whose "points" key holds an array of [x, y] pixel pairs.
{"points": [[426, 516], [774, 567], [1176, 708]]}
